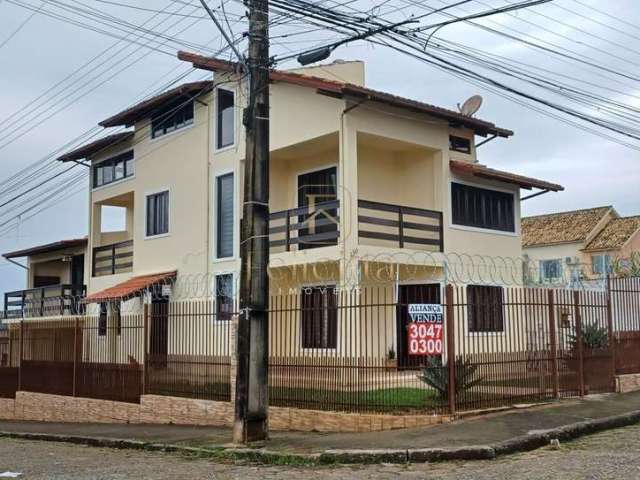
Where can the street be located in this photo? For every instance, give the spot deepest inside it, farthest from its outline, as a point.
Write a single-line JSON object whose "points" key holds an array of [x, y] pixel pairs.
{"points": [[610, 455]]}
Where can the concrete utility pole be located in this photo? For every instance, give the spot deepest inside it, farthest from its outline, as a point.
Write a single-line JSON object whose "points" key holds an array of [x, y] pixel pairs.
{"points": [[251, 408]]}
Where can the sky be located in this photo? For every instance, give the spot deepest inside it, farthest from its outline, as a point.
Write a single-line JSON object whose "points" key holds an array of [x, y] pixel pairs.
{"points": [[594, 170]]}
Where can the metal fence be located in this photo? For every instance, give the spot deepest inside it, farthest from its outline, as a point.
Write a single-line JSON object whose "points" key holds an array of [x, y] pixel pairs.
{"points": [[415, 348]]}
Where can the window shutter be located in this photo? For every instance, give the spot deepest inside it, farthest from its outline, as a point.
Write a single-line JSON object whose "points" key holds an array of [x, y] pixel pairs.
{"points": [[225, 216]]}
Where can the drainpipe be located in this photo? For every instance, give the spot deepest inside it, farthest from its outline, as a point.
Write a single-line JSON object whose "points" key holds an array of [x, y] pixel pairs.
{"points": [[17, 263]]}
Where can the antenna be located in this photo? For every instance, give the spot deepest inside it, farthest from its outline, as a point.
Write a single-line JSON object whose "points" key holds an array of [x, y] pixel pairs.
{"points": [[470, 106]]}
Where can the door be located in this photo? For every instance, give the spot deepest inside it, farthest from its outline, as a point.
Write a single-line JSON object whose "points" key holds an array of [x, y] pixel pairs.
{"points": [[320, 224], [408, 294], [77, 270], [159, 332]]}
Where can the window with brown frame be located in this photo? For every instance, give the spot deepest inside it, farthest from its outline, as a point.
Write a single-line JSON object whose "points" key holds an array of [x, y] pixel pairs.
{"points": [[485, 309], [319, 312]]}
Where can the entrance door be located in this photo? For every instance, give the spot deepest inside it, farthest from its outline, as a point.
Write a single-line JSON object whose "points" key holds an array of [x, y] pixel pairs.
{"points": [[159, 332], [408, 294], [321, 227]]}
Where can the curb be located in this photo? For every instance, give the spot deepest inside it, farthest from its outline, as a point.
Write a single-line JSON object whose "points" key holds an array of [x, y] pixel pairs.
{"points": [[521, 443]]}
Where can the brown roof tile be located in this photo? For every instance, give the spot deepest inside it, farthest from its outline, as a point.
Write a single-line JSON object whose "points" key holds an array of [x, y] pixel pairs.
{"points": [[145, 108], [615, 234], [478, 170], [49, 247], [481, 127], [562, 227], [95, 147], [131, 287]]}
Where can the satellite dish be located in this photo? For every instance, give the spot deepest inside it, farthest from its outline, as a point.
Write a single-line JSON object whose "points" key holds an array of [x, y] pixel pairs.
{"points": [[470, 106]]}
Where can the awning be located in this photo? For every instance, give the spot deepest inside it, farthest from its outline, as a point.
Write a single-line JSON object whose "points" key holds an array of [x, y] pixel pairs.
{"points": [[478, 170], [131, 287]]}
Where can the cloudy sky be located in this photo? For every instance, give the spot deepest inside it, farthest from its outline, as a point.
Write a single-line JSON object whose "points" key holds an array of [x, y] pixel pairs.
{"points": [[38, 52]]}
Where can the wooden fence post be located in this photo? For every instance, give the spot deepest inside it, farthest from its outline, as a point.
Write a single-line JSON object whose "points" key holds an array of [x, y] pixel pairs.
{"points": [[612, 340], [145, 362], [579, 346], [451, 348], [553, 345]]}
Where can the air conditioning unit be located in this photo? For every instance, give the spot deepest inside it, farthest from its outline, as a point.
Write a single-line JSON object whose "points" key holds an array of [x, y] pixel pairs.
{"points": [[572, 260]]}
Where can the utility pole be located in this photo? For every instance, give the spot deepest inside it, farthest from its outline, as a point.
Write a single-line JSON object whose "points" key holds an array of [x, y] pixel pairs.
{"points": [[251, 407]]}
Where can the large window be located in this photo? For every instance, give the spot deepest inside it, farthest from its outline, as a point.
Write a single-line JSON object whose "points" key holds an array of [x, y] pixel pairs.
{"points": [[172, 118], [550, 269], [225, 131], [601, 264], [482, 208], [224, 216], [485, 309], [157, 214], [224, 296], [113, 169], [319, 317]]}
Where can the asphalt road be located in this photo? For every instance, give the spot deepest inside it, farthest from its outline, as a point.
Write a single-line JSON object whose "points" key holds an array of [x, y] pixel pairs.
{"points": [[610, 455]]}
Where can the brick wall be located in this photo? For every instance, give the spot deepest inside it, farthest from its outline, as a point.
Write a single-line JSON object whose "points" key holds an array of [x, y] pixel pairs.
{"points": [[628, 383], [187, 411]]}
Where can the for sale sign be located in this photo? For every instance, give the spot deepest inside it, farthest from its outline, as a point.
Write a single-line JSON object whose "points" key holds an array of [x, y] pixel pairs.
{"points": [[425, 329]]}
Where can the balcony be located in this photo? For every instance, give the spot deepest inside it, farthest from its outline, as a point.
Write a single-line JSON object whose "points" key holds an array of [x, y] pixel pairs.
{"points": [[49, 301], [112, 259], [305, 227], [398, 226]]}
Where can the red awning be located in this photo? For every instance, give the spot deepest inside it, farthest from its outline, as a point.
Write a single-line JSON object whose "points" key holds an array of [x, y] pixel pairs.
{"points": [[478, 170], [131, 287]]}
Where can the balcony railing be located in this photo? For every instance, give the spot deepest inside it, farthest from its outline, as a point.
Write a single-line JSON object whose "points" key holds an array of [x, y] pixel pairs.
{"points": [[49, 301], [305, 227], [400, 226], [112, 259]]}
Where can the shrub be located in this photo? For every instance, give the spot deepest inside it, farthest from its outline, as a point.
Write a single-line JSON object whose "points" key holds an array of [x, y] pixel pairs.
{"points": [[593, 337], [436, 375]]}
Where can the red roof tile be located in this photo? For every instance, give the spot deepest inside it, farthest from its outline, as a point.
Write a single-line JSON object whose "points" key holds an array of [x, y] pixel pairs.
{"points": [[131, 287]]}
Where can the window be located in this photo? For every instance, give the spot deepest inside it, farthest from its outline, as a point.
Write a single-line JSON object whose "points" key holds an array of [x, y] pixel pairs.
{"points": [[157, 214], [485, 309], [550, 269], [321, 223], [459, 144], [224, 216], [172, 118], [113, 169], [224, 297], [482, 208], [601, 264], [319, 317], [225, 132], [102, 319]]}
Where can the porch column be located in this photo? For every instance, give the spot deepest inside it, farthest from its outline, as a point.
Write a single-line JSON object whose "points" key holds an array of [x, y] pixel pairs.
{"points": [[348, 196]]}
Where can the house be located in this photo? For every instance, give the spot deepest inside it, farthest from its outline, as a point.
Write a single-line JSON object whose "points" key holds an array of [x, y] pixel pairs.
{"points": [[54, 280], [578, 245], [366, 188]]}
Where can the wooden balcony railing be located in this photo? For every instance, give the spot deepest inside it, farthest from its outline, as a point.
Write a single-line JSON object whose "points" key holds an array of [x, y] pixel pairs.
{"points": [[112, 259], [52, 300], [400, 226], [305, 227]]}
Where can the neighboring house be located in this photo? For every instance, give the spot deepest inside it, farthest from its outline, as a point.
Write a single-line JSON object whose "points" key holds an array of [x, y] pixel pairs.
{"points": [[578, 245], [55, 280], [361, 181], [617, 240]]}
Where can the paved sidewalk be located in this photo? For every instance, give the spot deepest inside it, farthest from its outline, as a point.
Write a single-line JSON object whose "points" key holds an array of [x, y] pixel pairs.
{"points": [[492, 428]]}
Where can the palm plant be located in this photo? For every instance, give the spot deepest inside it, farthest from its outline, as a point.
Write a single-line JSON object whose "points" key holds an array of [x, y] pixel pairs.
{"points": [[436, 375]]}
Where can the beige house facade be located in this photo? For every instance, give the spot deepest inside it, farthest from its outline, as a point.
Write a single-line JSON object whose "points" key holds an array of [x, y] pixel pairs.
{"points": [[579, 245]]}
